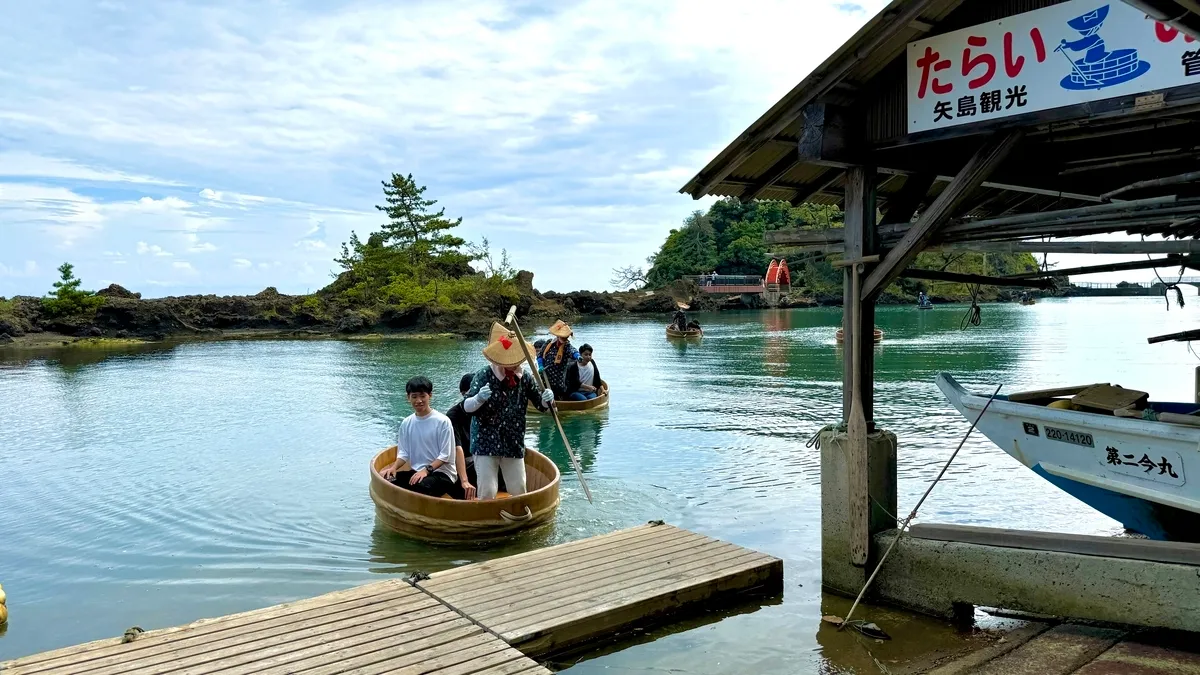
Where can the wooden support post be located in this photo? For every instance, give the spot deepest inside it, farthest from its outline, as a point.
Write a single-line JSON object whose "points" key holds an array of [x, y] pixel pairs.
{"points": [[977, 169], [861, 239], [858, 376]]}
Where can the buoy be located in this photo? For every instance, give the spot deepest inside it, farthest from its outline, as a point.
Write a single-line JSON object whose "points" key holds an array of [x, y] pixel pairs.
{"points": [[1063, 404], [3, 607]]}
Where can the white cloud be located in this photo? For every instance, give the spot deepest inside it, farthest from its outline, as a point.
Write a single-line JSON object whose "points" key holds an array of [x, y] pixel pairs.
{"points": [[152, 249], [260, 142], [28, 270], [581, 119], [242, 263], [183, 265], [20, 164]]}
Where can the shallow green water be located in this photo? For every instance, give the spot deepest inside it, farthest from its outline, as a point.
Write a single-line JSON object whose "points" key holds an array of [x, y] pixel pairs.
{"points": [[164, 485]]}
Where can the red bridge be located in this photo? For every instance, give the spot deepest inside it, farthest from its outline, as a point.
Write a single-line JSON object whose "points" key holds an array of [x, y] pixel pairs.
{"points": [[777, 281]]}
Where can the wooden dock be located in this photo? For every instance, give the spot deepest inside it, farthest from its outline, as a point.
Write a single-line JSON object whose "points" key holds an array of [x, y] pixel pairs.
{"points": [[482, 619]]}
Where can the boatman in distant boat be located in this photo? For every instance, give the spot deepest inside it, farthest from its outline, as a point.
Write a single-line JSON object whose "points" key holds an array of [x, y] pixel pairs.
{"points": [[426, 460], [554, 356], [679, 322], [497, 400], [583, 377]]}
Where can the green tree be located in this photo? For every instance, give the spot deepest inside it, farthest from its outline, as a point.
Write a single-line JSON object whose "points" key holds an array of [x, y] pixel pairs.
{"points": [[690, 249], [421, 233], [67, 299]]}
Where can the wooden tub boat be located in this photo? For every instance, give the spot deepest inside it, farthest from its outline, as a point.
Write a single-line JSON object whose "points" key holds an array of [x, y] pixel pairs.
{"points": [[691, 333], [1029, 301], [441, 519], [840, 335], [579, 406]]}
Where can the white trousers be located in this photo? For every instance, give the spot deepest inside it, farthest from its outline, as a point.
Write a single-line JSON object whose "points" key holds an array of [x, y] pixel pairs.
{"points": [[487, 471]]}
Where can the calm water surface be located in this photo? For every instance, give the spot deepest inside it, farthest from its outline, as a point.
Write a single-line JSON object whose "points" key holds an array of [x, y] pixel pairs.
{"points": [[160, 486]]}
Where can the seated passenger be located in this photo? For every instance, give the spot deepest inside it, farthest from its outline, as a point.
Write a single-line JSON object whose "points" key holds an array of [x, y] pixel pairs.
{"points": [[583, 377], [461, 420], [425, 450]]}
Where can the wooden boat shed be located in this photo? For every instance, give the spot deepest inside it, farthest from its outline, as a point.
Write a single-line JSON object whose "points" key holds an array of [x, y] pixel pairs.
{"points": [[988, 126]]}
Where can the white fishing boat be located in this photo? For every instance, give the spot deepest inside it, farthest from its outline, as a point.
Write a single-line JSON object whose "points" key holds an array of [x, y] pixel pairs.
{"points": [[1134, 470]]}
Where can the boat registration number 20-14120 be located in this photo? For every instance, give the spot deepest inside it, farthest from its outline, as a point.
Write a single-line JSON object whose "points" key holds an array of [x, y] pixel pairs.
{"points": [[1067, 436]]}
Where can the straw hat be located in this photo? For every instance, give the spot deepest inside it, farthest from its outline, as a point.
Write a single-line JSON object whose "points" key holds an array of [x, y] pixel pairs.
{"points": [[682, 305], [505, 351], [561, 329], [499, 329]]}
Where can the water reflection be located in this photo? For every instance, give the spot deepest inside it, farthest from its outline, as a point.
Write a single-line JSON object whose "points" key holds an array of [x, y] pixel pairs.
{"points": [[583, 433]]}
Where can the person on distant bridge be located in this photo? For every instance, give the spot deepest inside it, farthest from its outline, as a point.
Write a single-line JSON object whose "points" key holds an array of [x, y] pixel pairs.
{"points": [[554, 356]]}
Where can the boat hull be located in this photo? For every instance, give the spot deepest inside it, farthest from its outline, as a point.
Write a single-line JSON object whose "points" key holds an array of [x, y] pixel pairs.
{"points": [[694, 333], [443, 520], [597, 403], [1131, 470]]}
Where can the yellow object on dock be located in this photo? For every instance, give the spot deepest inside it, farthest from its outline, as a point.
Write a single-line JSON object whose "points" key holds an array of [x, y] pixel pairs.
{"points": [[468, 620]]}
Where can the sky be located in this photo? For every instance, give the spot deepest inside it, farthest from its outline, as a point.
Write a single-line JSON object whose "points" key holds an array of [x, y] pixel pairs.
{"points": [[222, 147], [180, 147]]}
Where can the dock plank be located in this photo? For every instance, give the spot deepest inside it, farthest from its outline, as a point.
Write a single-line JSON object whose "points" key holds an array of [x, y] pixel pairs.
{"points": [[383, 627], [481, 619], [559, 597]]}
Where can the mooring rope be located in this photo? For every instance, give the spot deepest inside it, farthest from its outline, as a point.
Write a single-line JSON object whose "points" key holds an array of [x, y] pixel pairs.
{"points": [[1168, 286], [972, 317]]}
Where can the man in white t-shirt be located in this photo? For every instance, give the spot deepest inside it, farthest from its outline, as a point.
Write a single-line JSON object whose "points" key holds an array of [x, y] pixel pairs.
{"points": [[426, 457]]}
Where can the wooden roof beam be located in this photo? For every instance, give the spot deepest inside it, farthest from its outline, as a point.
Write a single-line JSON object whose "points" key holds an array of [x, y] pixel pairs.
{"points": [[977, 169]]}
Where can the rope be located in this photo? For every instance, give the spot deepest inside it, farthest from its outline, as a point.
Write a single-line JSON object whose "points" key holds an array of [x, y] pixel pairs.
{"points": [[972, 317], [1168, 286], [815, 440]]}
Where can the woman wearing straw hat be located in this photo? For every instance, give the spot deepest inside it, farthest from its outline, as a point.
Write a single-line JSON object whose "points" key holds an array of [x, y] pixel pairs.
{"points": [[554, 356], [496, 400]]}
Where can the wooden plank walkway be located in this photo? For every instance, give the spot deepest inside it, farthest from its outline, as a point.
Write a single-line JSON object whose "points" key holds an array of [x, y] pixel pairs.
{"points": [[556, 598], [470, 620]]}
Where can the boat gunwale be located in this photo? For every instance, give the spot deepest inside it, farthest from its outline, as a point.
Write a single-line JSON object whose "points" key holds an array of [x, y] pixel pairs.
{"points": [[1080, 418], [447, 520]]}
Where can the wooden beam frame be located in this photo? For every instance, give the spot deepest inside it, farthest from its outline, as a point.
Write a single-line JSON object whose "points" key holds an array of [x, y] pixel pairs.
{"points": [[785, 164], [900, 209], [955, 277], [977, 169], [1169, 261], [1091, 247]]}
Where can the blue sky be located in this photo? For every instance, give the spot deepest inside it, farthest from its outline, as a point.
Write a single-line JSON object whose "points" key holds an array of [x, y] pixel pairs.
{"points": [[222, 147]]}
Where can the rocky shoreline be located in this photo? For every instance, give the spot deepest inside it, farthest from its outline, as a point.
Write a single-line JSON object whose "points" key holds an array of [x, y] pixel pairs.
{"points": [[126, 316]]}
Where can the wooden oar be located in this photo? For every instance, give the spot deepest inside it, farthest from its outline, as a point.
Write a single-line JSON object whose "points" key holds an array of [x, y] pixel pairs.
{"points": [[511, 320]]}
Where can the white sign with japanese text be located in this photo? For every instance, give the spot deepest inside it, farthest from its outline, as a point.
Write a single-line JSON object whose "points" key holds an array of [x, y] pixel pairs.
{"points": [[1074, 52]]}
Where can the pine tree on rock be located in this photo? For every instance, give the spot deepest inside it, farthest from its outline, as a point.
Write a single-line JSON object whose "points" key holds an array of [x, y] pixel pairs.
{"points": [[421, 233]]}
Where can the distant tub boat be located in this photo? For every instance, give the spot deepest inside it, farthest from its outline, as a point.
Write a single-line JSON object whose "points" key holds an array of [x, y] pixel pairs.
{"points": [[1132, 470], [600, 401], [840, 335], [690, 333], [446, 520]]}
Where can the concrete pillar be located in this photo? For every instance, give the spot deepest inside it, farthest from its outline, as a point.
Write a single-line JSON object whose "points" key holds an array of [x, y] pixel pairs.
{"points": [[838, 573]]}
